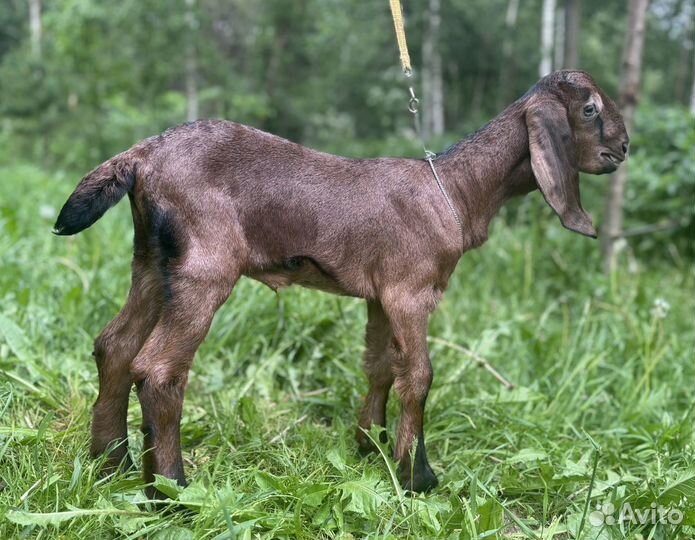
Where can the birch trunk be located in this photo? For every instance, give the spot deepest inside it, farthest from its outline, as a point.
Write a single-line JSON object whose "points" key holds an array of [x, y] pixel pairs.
{"points": [[559, 57], [191, 64], [692, 91], [432, 77], [35, 27], [629, 97], [572, 26], [547, 31], [508, 68]]}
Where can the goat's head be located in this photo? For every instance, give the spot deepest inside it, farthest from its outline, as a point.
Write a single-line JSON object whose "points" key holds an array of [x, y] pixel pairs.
{"points": [[572, 126]]}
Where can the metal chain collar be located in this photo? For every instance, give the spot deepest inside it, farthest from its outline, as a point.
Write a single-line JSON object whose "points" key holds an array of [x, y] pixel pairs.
{"points": [[413, 104]]}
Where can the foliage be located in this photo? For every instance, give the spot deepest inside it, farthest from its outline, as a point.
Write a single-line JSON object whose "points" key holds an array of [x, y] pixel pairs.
{"points": [[661, 189], [270, 410], [321, 72]]}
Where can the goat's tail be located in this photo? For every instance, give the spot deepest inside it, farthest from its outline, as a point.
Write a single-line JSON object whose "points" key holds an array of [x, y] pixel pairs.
{"points": [[96, 193]]}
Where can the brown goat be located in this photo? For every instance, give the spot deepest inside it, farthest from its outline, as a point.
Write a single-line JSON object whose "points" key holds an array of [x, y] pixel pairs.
{"points": [[214, 200]]}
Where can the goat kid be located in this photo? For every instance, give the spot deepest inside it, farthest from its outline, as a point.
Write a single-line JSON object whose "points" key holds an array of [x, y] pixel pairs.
{"points": [[214, 200]]}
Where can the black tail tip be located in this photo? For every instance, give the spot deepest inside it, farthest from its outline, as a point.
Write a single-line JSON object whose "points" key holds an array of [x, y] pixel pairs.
{"points": [[70, 222]]}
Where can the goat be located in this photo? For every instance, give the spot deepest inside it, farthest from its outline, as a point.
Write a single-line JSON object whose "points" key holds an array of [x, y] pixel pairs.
{"points": [[214, 200]]}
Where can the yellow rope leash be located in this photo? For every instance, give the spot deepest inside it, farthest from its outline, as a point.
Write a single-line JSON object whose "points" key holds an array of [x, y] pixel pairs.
{"points": [[397, 14], [413, 105]]}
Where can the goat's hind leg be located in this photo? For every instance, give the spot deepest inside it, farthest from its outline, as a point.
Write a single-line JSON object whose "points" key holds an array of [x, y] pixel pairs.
{"points": [[377, 365], [161, 367], [114, 351]]}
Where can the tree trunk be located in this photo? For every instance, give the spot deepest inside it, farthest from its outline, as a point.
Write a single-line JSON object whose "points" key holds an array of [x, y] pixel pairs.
{"points": [[476, 102], [559, 57], [35, 27], [680, 82], [432, 78], [572, 25], [508, 67], [629, 97], [547, 30], [681, 85], [692, 91], [191, 65]]}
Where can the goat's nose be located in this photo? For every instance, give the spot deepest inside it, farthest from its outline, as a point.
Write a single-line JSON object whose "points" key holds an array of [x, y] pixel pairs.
{"points": [[625, 146]]}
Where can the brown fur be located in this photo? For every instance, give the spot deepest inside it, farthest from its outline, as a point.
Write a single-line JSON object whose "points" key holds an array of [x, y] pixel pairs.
{"points": [[214, 200]]}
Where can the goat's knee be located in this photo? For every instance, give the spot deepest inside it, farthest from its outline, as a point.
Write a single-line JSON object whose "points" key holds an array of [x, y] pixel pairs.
{"points": [[110, 355], [413, 380]]}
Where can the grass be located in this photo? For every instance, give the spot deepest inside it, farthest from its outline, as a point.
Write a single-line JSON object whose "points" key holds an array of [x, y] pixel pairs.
{"points": [[602, 411]]}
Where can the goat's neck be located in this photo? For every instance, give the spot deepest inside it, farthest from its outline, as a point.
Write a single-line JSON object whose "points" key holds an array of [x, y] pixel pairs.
{"points": [[488, 168]]}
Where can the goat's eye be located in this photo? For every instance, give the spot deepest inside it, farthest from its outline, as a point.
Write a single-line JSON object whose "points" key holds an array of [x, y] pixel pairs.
{"points": [[589, 110]]}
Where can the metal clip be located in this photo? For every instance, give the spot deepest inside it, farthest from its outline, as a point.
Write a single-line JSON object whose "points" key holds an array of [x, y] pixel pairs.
{"points": [[414, 102]]}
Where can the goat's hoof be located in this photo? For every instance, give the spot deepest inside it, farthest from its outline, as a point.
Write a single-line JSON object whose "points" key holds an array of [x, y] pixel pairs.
{"points": [[366, 448], [422, 480], [365, 445]]}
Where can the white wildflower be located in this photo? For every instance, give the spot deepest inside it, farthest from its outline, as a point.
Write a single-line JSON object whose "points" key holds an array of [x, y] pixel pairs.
{"points": [[660, 308]]}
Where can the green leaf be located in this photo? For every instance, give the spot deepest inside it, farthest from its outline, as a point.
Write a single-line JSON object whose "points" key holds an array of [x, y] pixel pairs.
{"points": [[336, 459], [683, 486], [527, 455], [14, 337], [267, 482], [129, 524], [590, 532], [193, 495], [574, 470], [689, 518], [491, 516], [20, 517], [431, 511], [314, 494], [365, 495], [169, 487]]}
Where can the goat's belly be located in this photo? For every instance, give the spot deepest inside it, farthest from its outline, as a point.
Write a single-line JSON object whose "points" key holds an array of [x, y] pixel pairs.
{"points": [[302, 271]]}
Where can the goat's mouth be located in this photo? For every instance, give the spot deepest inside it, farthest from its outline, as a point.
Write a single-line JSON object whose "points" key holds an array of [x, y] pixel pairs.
{"points": [[612, 158]]}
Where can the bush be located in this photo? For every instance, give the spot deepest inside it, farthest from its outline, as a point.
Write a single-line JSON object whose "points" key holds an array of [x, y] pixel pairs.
{"points": [[661, 185]]}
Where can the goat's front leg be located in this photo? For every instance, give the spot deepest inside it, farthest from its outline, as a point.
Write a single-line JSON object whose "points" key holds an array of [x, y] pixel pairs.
{"points": [[412, 371], [408, 314], [377, 365]]}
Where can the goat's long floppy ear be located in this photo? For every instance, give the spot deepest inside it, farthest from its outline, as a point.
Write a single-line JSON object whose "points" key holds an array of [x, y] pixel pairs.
{"points": [[553, 160]]}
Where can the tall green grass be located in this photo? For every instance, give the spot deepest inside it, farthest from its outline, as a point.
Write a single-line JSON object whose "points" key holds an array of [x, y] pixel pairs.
{"points": [[601, 412]]}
